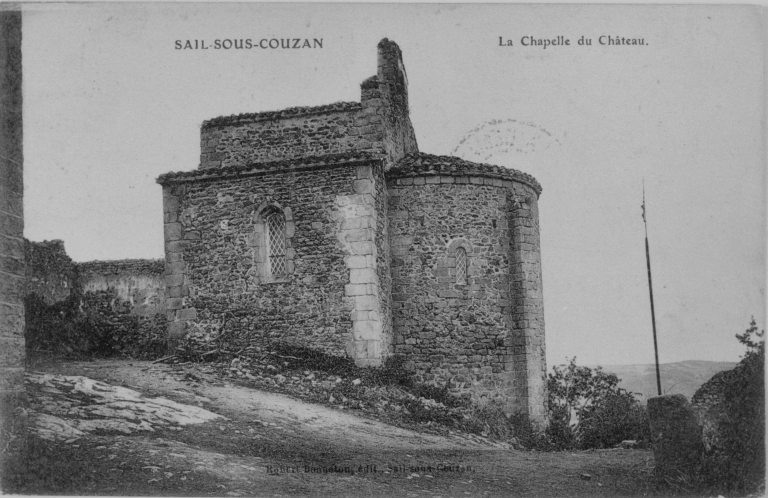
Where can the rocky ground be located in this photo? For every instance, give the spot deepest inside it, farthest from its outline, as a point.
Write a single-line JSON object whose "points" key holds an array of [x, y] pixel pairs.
{"points": [[362, 391], [138, 428]]}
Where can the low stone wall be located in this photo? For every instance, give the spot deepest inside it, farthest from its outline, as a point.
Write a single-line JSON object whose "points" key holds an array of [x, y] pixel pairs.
{"points": [[128, 297], [135, 285], [98, 307]]}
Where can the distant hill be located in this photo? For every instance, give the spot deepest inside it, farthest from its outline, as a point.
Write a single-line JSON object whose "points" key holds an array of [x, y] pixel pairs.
{"points": [[684, 377]]}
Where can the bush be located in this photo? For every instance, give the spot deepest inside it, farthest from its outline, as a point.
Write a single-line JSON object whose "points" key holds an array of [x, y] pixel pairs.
{"points": [[77, 327], [559, 432], [63, 328], [737, 462], [617, 418], [587, 409]]}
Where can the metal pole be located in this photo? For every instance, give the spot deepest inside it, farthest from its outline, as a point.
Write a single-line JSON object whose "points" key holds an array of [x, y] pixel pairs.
{"points": [[650, 290]]}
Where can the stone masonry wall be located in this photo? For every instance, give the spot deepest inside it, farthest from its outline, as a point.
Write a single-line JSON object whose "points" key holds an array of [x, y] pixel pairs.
{"points": [[378, 124], [292, 133], [128, 297], [136, 285], [484, 339], [12, 281], [132, 286], [399, 137], [215, 265], [123, 302]]}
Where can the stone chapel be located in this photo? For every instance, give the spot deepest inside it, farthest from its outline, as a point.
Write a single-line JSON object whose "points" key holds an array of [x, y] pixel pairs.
{"points": [[326, 227]]}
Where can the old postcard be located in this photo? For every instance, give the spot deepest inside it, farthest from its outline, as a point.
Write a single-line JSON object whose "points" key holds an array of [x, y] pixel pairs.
{"points": [[383, 249]]}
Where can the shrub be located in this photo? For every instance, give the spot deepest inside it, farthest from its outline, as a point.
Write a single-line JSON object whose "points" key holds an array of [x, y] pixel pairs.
{"points": [[62, 328], [616, 418], [587, 409], [559, 432], [737, 462], [77, 327], [527, 435]]}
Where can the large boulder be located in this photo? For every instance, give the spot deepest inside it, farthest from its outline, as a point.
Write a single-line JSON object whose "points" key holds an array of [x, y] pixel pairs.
{"points": [[675, 433]]}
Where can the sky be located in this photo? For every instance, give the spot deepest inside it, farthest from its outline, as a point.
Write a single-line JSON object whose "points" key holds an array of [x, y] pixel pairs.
{"points": [[110, 104]]}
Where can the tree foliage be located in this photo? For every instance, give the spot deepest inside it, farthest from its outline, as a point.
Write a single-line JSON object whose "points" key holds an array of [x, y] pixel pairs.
{"points": [[588, 409], [737, 463], [753, 339]]}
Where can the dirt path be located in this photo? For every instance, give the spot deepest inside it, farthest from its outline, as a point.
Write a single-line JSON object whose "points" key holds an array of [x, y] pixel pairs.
{"points": [[236, 441]]}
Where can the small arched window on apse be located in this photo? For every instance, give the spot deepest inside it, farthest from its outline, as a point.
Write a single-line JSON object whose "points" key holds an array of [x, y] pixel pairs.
{"points": [[276, 246], [461, 266]]}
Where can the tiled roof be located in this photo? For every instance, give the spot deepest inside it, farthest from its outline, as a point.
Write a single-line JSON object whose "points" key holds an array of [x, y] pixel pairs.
{"points": [[310, 162], [421, 164], [291, 112]]}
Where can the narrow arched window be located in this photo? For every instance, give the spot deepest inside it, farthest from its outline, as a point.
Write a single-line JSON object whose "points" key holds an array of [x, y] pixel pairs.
{"points": [[461, 266], [276, 243]]}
